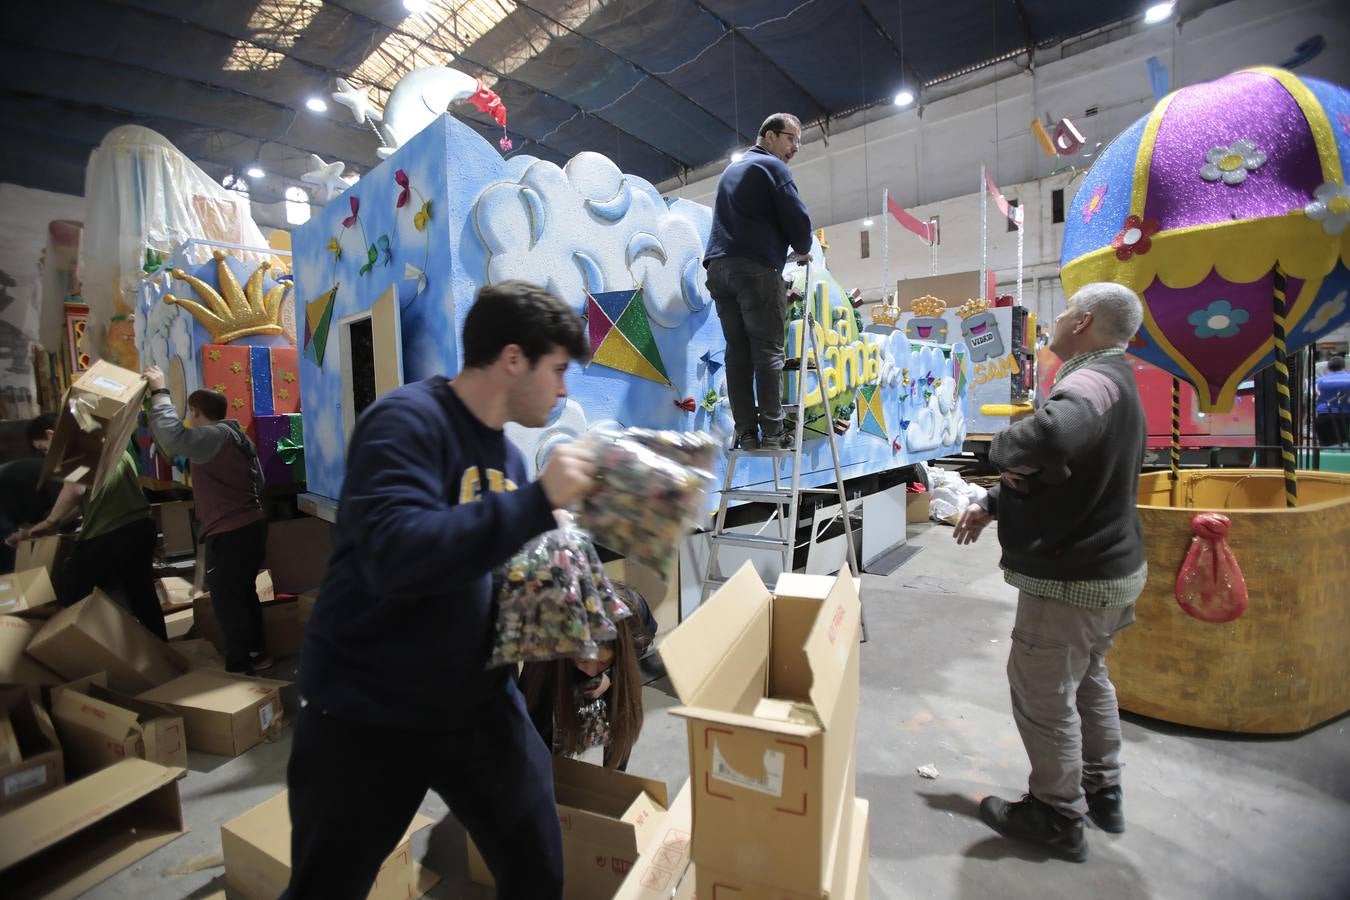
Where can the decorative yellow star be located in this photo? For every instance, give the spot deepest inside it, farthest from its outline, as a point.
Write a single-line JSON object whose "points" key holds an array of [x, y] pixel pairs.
{"points": [[238, 402], [288, 377], [248, 379], [213, 355], [283, 393], [236, 368], [218, 387]]}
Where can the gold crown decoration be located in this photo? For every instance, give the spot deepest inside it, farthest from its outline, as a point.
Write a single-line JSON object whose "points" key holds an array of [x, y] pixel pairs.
{"points": [[239, 312], [885, 314], [972, 307], [929, 306]]}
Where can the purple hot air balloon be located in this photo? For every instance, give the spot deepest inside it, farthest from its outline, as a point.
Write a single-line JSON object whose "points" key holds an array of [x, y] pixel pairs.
{"points": [[1196, 206]]}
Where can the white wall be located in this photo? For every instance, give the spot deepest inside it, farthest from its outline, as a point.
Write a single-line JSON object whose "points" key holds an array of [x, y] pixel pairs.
{"points": [[930, 158]]}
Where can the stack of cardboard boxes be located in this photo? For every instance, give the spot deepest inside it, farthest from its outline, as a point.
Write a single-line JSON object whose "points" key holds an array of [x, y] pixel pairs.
{"points": [[769, 683], [97, 715]]}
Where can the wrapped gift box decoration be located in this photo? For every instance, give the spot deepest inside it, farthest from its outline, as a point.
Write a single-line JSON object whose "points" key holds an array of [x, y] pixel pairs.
{"points": [[285, 380], [227, 368], [281, 449]]}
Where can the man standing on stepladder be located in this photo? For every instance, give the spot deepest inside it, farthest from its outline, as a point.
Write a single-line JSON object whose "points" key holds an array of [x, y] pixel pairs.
{"points": [[756, 217]]}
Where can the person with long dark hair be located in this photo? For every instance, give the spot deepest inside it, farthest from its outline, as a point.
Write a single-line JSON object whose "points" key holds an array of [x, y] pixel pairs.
{"points": [[577, 704]]}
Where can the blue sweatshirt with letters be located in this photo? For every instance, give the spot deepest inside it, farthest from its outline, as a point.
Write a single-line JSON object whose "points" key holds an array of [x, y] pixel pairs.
{"points": [[433, 501]]}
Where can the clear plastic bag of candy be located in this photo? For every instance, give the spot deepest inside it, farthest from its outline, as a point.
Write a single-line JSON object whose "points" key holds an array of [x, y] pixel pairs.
{"points": [[554, 600], [653, 486]]}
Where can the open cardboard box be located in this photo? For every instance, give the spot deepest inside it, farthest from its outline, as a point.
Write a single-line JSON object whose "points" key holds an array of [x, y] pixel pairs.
{"points": [[61, 845], [665, 859], [283, 630], [25, 589], [257, 849], [99, 727], [41, 552], [39, 767], [850, 867], [97, 635], [98, 416], [608, 819], [769, 685], [223, 712], [16, 666]]}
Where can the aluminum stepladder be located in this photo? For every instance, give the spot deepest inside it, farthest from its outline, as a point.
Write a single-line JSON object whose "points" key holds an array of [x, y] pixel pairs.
{"points": [[787, 500]]}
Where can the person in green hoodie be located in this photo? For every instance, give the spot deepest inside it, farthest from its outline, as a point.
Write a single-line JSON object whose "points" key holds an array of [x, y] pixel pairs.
{"points": [[115, 548]]}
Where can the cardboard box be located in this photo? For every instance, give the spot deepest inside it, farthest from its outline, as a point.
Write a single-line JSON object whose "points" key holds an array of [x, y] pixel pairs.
{"points": [[61, 845], [175, 524], [25, 589], [850, 866], [297, 553], [608, 819], [178, 624], [305, 606], [257, 849], [16, 666], [39, 768], [664, 862], [174, 593], [99, 727], [41, 553], [223, 713], [199, 654], [770, 692], [917, 507], [97, 419], [97, 635]]}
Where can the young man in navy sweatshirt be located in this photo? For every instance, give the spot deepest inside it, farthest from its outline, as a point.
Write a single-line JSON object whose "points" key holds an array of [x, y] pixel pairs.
{"points": [[396, 696]]}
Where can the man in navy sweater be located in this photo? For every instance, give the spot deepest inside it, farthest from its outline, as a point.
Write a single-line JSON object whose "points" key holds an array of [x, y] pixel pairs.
{"points": [[396, 696], [756, 217]]}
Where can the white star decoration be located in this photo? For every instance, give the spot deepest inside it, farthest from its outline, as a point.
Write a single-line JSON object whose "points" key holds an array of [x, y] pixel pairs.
{"points": [[327, 177], [355, 99]]}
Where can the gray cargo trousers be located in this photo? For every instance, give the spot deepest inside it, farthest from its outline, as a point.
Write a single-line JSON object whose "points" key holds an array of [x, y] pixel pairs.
{"points": [[751, 302], [1062, 698]]}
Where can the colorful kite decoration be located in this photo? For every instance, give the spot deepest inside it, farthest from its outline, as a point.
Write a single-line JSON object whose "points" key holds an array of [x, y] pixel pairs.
{"points": [[318, 317], [621, 335], [871, 418]]}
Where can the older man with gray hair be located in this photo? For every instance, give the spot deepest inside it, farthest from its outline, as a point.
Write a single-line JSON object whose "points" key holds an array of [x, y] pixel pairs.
{"points": [[1073, 546]]}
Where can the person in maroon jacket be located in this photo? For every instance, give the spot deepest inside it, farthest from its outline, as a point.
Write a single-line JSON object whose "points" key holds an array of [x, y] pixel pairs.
{"points": [[227, 487]]}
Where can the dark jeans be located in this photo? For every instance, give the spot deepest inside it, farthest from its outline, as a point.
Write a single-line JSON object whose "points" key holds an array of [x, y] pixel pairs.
{"points": [[121, 561], [354, 789], [233, 559], [751, 301]]}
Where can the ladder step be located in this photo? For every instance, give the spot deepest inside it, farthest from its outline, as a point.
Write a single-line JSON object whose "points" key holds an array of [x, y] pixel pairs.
{"points": [[752, 540], [786, 451], [753, 496]]}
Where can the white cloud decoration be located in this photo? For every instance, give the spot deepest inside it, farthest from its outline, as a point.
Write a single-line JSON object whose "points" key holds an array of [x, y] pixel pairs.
{"points": [[588, 227]]}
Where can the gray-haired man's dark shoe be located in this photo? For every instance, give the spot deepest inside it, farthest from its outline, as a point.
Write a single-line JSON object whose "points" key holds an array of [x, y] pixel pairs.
{"points": [[1037, 823], [1104, 809]]}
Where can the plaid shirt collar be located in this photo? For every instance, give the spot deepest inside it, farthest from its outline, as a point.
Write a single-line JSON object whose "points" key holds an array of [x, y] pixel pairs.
{"points": [[1083, 359]]}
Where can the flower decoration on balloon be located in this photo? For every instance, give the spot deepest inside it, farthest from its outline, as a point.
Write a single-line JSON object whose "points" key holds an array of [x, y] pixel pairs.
{"points": [[1219, 319], [1232, 163], [1331, 207], [401, 179], [1135, 237], [1095, 202]]}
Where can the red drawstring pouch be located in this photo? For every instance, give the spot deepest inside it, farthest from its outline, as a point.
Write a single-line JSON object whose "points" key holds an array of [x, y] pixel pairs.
{"points": [[1210, 586]]}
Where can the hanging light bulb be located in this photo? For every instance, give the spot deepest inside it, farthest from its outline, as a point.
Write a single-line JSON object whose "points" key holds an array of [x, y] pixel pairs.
{"points": [[867, 222], [738, 156], [254, 172], [1158, 12], [904, 98], [316, 104]]}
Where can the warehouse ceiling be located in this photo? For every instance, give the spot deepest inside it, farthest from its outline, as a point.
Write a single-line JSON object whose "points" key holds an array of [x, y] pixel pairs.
{"points": [[659, 86]]}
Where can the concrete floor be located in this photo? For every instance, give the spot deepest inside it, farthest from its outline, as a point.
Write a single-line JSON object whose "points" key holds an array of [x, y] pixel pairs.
{"points": [[1210, 815]]}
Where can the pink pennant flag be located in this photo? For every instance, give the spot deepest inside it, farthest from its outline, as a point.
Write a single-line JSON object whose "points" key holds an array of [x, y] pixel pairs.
{"points": [[1012, 212], [908, 221]]}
